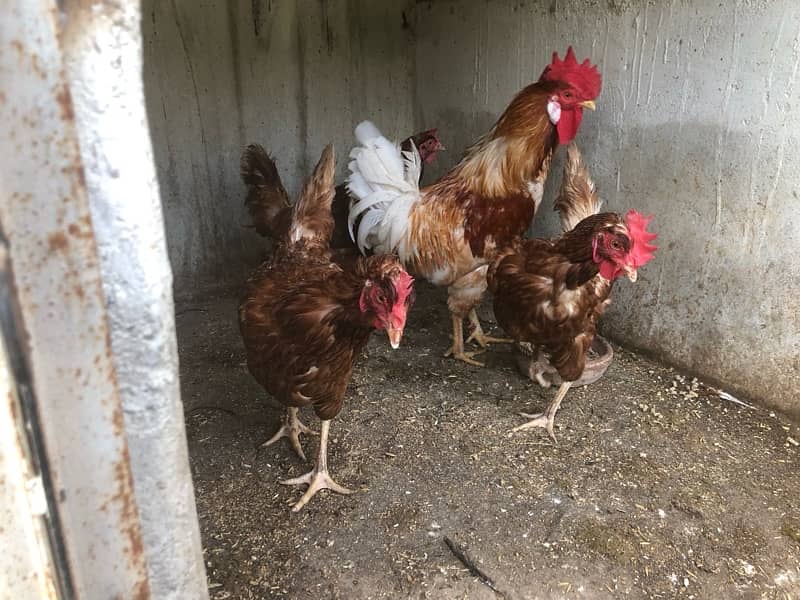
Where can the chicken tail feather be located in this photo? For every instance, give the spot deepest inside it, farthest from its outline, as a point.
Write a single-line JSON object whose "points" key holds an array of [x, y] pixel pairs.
{"points": [[578, 197], [312, 219], [266, 196], [384, 184]]}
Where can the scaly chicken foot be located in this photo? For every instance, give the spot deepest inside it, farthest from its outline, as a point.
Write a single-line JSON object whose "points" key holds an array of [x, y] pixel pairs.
{"points": [[292, 428], [457, 349], [318, 478], [478, 336], [548, 417]]}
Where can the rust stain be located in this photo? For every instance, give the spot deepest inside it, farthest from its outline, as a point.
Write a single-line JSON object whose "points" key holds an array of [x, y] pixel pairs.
{"points": [[19, 48], [57, 241], [128, 514], [128, 518], [37, 66], [64, 99], [75, 230], [141, 591], [13, 404], [129, 521], [118, 421], [75, 170]]}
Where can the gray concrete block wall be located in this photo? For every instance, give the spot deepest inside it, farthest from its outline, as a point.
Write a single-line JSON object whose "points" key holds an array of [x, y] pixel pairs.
{"points": [[697, 124]]}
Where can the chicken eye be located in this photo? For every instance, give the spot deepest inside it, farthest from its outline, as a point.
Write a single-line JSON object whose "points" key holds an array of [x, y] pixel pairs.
{"points": [[567, 94], [615, 245], [380, 297]]}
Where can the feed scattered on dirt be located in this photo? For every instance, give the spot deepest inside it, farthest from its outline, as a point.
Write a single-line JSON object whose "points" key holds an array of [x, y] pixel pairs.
{"points": [[655, 489]]}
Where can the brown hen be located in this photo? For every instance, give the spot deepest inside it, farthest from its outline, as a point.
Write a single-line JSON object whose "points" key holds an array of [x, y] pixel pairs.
{"points": [[304, 319], [551, 293]]}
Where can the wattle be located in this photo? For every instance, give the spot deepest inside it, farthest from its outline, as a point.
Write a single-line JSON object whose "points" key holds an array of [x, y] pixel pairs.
{"points": [[609, 270], [568, 124]]}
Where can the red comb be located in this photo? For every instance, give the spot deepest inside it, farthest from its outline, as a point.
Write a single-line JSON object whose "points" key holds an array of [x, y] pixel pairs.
{"points": [[403, 286], [584, 76], [642, 250]]}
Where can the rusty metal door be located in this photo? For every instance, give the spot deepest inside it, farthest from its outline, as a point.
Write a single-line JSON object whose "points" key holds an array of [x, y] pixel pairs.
{"points": [[87, 356]]}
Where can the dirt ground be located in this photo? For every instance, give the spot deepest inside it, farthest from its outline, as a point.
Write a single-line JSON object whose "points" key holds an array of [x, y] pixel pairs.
{"points": [[652, 491]]}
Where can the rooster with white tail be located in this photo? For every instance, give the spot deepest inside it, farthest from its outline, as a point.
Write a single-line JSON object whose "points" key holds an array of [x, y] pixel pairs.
{"points": [[449, 232]]}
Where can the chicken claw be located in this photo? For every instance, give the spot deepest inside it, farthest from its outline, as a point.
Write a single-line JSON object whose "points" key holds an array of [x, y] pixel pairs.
{"points": [[318, 478], [538, 420], [465, 356], [548, 417], [484, 340], [292, 428], [479, 336], [457, 349]]}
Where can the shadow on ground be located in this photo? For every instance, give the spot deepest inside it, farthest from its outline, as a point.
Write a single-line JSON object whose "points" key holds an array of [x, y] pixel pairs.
{"points": [[651, 492]]}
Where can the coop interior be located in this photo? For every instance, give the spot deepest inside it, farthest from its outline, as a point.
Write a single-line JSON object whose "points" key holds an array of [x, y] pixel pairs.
{"points": [[675, 474], [658, 486]]}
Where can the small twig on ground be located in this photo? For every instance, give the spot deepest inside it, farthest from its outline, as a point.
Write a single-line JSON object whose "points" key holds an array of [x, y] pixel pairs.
{"points": [[712, 391], [461, 555]]}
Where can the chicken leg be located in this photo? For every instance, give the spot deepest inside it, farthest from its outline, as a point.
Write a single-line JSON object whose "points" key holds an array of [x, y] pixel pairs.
{"points": [[318, 478], [292, 428], [457, 349], [547, 418], [477, 334]]}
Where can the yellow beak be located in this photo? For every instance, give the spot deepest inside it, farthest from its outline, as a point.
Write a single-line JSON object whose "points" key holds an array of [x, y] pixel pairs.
{"points": [[588, 104], [395, 335]]}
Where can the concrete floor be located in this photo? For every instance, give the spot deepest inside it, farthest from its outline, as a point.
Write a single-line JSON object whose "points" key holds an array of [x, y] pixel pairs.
{"points": [[653, 491]]}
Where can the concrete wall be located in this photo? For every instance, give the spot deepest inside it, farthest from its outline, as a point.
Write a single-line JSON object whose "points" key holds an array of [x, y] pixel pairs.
{"points": [[292, 76], [694, 125]]}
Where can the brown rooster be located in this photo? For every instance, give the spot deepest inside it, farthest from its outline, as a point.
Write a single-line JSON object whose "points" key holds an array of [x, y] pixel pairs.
{"points": [[449, 232], [268, 203], [304, 319], [551, 293]]}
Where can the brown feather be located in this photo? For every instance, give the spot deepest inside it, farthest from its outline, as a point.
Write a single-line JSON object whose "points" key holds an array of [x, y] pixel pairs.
{"points": [[486, 203], [550, 292], [267, 200], [578, 197], [302, 327], [541, 297], [300, 316]]}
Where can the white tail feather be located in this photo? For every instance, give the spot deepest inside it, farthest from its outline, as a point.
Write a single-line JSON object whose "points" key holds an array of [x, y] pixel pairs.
{"points": [[384, 182]]}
